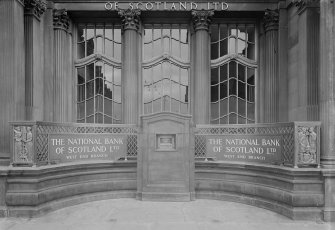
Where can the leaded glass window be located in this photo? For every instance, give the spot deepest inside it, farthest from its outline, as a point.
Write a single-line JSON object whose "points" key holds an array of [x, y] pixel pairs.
{"points": [[99, 74], [166, 67], [233, 73]]}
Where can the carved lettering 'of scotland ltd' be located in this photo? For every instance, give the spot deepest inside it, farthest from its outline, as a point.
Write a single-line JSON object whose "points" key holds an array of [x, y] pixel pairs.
{"points": [[81, 147], [260, 149]]}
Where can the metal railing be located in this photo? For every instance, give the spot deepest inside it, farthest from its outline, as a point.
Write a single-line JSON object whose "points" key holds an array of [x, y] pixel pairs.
{"points": [[300, 146], [29, 139]]}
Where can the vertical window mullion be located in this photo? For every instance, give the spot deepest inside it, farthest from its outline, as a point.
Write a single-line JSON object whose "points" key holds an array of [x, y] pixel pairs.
{"points": [[228, 94], [246, 94]]}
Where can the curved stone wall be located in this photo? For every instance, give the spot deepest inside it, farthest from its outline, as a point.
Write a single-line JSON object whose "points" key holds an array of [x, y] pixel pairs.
{"points": [[295, 193], [32, 191]]}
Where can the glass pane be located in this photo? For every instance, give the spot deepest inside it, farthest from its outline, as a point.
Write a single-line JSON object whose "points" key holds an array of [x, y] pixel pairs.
{"points": [[223, 72], [117, 111], [184, 108], [109, 48], [175, 91], [81, 110], [241, 90], [184, 93], [241, 120], [251, 34], [117, 76], [251, 76], [215, 110], [98, 118], [147, 35], [147, 51], [117, 51], [157, 48], [109, 120], [147, 108], [224, 107], [176, 48], [109, 32], [184, 52], [223, 47], [232, 118], [117, 94], [214, 76], [90, 72], [90, 119], [109, 73], [156, 106], [214, 51], [251, 111], [90, 32], [251, 51], [99, 86], [81, 34], [90, 47], [232, 105], [108, 107], [147, 96], [251, 93], [214, 93], [99, 69], [241, 107], [223, 90], [90, 89], [184, 35], [241, 72], [99, 46], [81, 93], [232, 47], [232, 87], [184, 76], [117, 35], [99, 104], [81, 75], [232, 69], [224, 120], [214, 33], [81, 50], [223, 31], [108, 90], [90, 107]]}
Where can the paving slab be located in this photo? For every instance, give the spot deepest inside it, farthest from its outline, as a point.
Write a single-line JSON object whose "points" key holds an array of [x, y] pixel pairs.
{"points": [[129, 214]]}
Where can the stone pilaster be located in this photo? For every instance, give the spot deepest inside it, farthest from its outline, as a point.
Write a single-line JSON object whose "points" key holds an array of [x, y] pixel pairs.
{"points": [[308, 62], [33, 63], [201, 23], [61, 77], [327, 82], [271, 102], [130, 65], [12, 87]]}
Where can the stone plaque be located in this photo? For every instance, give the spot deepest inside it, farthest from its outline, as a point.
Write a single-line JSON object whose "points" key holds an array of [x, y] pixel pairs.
{"points": [[166, 142], [81, 147], [245, 148]]}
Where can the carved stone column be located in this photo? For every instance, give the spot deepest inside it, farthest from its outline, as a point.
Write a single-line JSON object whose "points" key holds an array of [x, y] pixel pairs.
{"points": [[308, 63], [327, 103], [201, 23], [33, 65], [327, 82], [271, 97], [61, 78], [130, 65], [12, 86]]}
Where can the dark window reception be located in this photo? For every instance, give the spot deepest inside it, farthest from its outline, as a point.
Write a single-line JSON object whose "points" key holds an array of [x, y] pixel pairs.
{"points": [[233, 71], [99, 74]]}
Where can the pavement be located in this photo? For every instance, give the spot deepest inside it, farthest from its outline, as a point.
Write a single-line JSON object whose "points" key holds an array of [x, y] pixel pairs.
{"points": [[129, 214]]}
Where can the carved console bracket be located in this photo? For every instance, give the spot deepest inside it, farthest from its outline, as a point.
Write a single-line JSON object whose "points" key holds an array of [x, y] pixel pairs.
{"points": [[61, 19], [34, 7], [130, 19], [202, 19], [303, 4], [271, 19], [23, 145], [307, 144]]}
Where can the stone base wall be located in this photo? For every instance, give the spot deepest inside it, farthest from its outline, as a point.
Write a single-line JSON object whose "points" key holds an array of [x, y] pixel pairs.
{"points": [[34, 191], [295, 193]]}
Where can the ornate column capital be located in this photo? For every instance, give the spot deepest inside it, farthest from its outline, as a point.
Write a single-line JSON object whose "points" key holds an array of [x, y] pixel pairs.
{"points": [[303, 4], [202, 19], [60, 19], [271, 20], [34, 7], [130, 19]]}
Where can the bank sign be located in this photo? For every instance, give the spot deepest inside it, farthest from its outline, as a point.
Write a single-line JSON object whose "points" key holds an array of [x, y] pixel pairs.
{"points": [[245, 148], [167, 6], [85, 147]]}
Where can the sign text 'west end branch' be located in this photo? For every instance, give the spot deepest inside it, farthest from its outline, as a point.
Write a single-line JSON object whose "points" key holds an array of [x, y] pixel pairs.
{"points": [[167, 6]]}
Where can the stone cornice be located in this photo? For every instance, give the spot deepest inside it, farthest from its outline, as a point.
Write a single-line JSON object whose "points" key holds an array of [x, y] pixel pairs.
{"points": [[202, 19], [34, 7], [271, 19], [303, 4], [130, 19], [61, 19]]}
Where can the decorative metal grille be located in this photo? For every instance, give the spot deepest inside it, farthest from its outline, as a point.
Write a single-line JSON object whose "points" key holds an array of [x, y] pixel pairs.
{"points": [[43, 129], [286, 131]]}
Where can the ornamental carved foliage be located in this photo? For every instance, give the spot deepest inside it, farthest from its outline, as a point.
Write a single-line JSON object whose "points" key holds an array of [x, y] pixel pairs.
{"points": [[130, 19], [202, 19], [302, 4], [271, 19], [23, 144], [307, 141], [35, 7], [61, 19]]}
